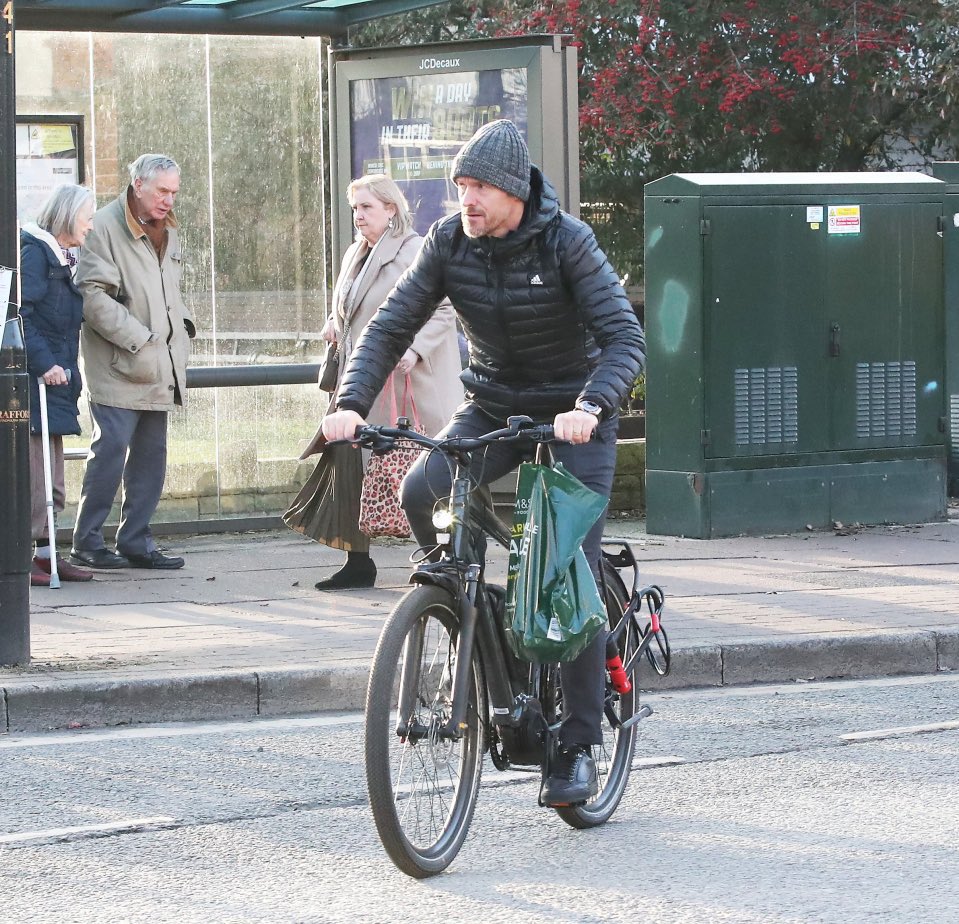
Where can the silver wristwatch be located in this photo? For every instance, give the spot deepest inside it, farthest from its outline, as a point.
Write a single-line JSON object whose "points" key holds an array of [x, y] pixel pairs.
{"points": [[590, 407]]}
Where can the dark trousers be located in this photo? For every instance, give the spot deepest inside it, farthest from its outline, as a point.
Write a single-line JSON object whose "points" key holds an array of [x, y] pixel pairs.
{"points": [[594, 464], [128, 447]]}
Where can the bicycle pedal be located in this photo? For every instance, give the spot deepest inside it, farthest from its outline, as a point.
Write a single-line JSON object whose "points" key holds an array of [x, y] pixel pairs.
{"points": [[644, 713]]}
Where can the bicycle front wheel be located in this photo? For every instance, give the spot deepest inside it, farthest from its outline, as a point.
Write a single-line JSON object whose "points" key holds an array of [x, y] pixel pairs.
{"points": [[614, 757], [422, 782]]}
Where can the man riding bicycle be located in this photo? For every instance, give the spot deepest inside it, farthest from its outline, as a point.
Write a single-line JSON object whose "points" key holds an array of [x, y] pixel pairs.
{"points": [[551, 335]]}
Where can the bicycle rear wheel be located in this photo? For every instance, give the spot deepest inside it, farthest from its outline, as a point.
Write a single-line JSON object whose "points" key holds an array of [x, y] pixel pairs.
{"points": [[614, 757], [422, 784]]}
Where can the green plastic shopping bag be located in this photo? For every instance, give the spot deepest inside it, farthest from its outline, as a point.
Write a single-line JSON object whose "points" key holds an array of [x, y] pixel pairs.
{"points": [[553, 607]]}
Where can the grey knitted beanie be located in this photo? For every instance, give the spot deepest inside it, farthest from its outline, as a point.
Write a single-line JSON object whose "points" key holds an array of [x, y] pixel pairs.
{"points": [[497, 155]]}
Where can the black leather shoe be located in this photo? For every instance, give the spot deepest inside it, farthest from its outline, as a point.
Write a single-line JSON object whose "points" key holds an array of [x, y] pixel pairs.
{"points": [[102, 559], [350, 576], [156, 559], [573, 779]]}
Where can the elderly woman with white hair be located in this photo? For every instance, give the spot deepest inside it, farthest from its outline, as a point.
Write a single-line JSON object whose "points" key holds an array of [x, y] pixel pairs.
{"points": [[52, 311]]}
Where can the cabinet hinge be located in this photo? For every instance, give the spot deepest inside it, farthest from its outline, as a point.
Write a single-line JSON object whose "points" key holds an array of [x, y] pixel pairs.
{"points": [[940, 224], [705, 227], [704, 437], [943, 425]]}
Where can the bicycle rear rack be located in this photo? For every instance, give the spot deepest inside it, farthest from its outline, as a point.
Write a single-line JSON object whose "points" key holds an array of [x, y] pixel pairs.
{"points": [[651, 598]]}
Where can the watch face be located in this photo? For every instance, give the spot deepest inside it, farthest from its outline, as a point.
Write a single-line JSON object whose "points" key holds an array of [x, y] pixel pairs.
{"points": [[590, 407]]}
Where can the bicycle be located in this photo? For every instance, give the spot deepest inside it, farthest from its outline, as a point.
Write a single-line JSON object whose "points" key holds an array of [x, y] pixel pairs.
{"points": [[432, 714]]}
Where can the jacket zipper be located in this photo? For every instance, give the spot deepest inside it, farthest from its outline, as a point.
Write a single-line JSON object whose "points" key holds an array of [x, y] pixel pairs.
{"points": [[500, 303]]}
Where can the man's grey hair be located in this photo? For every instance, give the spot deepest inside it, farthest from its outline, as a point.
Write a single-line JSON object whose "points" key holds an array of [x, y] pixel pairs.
{"points": [[58, 214], [147, 166]]}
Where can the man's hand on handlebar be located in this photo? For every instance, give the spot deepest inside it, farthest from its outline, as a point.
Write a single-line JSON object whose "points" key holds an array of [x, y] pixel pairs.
{"points": [[342, 425], [575, 426]]}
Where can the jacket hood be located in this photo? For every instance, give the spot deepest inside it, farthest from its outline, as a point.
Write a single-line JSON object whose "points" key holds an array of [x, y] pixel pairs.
{"points": [[541, 209], [32, 229], [543, 206]]}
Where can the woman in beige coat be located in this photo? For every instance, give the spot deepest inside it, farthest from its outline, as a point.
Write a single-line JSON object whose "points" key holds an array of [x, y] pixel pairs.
{"points": [[427, 374]]}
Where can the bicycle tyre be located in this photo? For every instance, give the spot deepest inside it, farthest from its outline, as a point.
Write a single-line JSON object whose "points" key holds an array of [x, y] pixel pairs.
{"points": [[422, 787], [614, 758]]}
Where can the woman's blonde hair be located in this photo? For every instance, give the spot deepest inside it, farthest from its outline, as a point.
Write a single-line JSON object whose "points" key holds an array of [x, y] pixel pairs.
{"points": [[388, 193]]}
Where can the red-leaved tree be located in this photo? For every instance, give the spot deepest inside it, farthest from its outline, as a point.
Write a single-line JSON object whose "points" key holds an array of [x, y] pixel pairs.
{"points": [[680, 85]]}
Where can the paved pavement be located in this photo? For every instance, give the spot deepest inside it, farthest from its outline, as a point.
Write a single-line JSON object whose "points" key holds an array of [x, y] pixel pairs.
{"points": [[240, 631]]}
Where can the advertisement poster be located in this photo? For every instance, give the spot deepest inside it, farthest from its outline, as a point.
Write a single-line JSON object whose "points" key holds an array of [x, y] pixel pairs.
{"points": [[47, 156], [411, 128]]}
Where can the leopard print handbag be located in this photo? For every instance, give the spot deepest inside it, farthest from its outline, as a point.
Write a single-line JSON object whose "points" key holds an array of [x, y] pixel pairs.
{"points": [[380, 510]]}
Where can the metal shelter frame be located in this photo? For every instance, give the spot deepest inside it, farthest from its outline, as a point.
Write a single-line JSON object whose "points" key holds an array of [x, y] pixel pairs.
{"points": [[331, 18], [323, 18]]}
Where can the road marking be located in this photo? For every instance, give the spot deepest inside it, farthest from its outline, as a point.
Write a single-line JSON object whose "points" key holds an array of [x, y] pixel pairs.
{"points": [[900, 732], [645, 763], [113, 827], [184, 729], [796, 686]]}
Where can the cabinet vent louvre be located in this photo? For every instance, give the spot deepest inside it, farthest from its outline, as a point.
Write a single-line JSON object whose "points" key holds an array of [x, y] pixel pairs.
{"points": [[885, 400], [767, 405], [954, 428]]}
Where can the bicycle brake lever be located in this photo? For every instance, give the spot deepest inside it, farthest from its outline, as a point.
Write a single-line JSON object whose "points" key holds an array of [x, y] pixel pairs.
{"points": [[519, 422], [367, 438], [378, 443]]}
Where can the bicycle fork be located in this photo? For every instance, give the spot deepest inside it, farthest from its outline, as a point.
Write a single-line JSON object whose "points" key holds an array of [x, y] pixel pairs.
{"points": [[456, 726], [468, 616]]}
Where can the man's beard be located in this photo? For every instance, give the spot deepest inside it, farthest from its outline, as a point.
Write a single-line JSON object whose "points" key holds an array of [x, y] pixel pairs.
{"points": [[464, 221]]}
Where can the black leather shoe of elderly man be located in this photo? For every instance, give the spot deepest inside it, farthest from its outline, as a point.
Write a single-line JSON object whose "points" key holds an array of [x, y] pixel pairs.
{"points": [[156, 559], [573, 778], [100, 559]]}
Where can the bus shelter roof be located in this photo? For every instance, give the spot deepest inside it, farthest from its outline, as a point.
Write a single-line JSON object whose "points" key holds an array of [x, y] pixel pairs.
{"points": [[213, 17]]}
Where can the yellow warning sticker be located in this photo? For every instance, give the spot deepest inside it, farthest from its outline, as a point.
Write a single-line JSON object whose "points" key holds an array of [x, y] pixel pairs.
{"points": [[843, 219]]}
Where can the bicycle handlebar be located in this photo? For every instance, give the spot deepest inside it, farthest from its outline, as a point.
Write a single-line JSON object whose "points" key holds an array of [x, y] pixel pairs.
{"points": [[380, 438]]}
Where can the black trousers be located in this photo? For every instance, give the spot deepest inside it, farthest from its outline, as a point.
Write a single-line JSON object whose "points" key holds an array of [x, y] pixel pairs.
{"points": [[594, 464]]}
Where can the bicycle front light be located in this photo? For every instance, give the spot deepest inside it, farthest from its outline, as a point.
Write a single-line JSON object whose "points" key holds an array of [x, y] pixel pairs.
{"points": [[442, 519]]}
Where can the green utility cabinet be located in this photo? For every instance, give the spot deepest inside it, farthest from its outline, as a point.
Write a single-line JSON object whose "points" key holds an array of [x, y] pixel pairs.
{"points": [[948, 171], [795, 329]]}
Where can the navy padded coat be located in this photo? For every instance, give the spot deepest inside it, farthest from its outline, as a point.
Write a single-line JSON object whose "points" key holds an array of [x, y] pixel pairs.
{"points": [[545, 315], [52, 311]]}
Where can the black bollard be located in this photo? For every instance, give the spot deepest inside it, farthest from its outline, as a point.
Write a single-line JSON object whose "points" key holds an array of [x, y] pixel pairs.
{"points": [[15, 541]]}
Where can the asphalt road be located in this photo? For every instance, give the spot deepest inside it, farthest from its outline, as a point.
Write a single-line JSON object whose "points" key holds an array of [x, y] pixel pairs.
{"points": [[832, 802]]}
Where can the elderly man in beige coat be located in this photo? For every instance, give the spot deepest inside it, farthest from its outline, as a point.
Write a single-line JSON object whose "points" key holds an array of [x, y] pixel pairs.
{"points": [[134, 343]]}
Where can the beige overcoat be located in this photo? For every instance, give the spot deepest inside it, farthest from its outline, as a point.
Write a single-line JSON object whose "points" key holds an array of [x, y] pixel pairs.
{"points": [[435, 380], [129, 294], [435, 383]]}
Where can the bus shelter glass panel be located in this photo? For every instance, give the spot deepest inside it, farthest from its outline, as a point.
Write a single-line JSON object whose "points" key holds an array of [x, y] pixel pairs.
{"points": [[242, 116]]}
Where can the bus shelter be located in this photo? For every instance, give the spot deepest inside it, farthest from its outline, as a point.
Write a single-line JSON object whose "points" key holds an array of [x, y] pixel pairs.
{"points": [[331, 19]]}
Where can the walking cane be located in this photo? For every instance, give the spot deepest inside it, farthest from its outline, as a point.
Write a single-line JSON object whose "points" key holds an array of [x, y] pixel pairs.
{"points": [[48, 483]]}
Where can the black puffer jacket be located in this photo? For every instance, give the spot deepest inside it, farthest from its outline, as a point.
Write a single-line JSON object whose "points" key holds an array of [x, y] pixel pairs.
{"points": [[546, 318]]}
